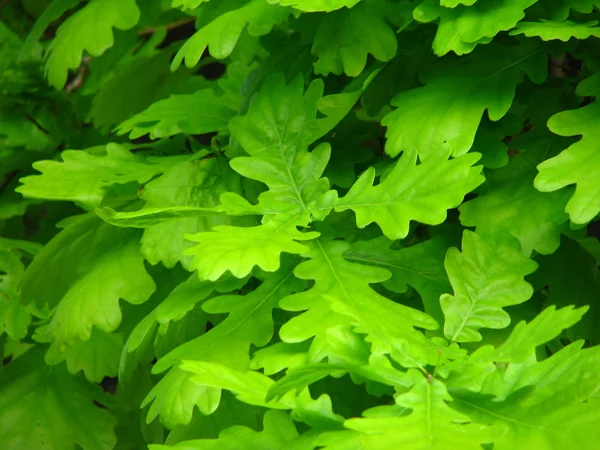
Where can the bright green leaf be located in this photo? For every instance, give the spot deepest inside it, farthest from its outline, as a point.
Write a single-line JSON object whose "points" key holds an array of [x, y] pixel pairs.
{"points": [[421, 192], [486, 277], [446, 112], [46, 408], [89, 29]]}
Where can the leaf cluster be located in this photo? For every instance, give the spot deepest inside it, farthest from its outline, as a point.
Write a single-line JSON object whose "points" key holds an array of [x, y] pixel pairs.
{"points": [[299, 224]]}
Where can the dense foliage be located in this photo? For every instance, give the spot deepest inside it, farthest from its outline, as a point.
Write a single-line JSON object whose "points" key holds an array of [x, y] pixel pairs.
{"points": [[299, 224]]}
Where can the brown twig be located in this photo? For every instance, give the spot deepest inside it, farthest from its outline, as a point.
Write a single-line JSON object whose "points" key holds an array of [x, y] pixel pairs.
{"points": [[78, 80], [179, 23]]}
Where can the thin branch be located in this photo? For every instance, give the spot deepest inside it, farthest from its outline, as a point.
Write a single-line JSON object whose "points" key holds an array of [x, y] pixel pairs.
{"points": [[179, 23]]}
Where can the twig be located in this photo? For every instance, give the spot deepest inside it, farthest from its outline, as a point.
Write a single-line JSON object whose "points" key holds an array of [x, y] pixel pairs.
{"points": [[78, 80], [179, 23]]}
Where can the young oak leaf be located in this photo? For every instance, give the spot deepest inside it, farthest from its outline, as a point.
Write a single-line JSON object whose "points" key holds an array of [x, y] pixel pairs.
{"points": [[196, 184], [512, 204], [446, 112], [526, 337], [578, 164], [276, 132], [561, 8], [316, 5], [249, 323], [357, 32], [85, 178], [44, 407], [239, 249], [572, 277], [187, 4], [278, 432], [561, 421], [487, 276], [342, 295], [431, 424], [462, 27], [420, 266], [549, 30], [571, 366], [253, 388], [93, 298], [221, 35], [97, 358], [535, 218], [14, 317], [421, 192], [199, 113], [89, 29]]}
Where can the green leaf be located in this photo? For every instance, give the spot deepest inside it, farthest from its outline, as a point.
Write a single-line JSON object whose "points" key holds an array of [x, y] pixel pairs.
{"points": [[249, 323], [462, 27], [446, 112], [511, 203], [201, 112], [276, 132], [136, 86], [46, 408], [357, 32], [239, 249], [191, 188], [83, 177], [316, 5], [515, 206], [549, 30], [561, 8], [187, 4], [249, 387], [342, 295], [562, 421], [221, 34], [93, 298], [487, 276], [97, 357], [421, 192], [52, 12], [89, 29], [573, 279], [432, 424], [525, 337], [279, 432], [575, 165], [420, 266], [14, 317]]}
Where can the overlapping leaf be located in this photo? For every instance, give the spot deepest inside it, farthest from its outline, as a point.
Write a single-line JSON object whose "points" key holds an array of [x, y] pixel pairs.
{"points": [[342, 295], [221, 35], [562, 421], [278, 432], [421, 192], [239, 249], [249, 323], [316, 5], [577, 164], [420, 266], [431, 424], [276, 132], [446, 112], [486, 277], [358, 32], [83, 177], [461, 27], [549, 30], [46, 408], [89, 29], [201, 112]]}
